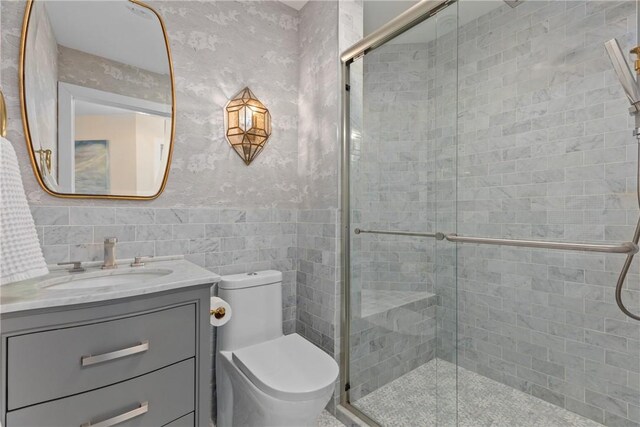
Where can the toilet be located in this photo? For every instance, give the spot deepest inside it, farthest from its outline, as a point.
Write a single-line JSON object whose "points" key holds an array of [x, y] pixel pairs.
{"points": [[263, 377]]}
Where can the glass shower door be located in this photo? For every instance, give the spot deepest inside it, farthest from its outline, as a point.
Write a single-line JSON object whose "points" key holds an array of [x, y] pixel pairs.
{"points": [[402, 170], [495, 120]]}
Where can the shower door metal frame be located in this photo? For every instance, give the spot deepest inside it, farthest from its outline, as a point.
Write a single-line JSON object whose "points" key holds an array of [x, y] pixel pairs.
{"points": [[407, 20], [403, 22]]}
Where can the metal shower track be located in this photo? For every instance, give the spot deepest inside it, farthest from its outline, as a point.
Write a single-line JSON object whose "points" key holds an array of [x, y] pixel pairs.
{"points": [[622, 248]]}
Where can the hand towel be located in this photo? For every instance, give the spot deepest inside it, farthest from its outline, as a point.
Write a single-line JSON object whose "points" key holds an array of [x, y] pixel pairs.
{"points": [[20, 253]]}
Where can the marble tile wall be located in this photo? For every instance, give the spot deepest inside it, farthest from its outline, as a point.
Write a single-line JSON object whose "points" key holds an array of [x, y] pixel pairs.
{"points": [[318, 283], [317, 272], [545, 151], [225, 241], [391, 343], [390, 178], [442, 140]]}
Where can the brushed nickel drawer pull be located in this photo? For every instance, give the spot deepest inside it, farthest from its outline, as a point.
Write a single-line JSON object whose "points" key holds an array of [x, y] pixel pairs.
{"points": [[118, 419], [105, 357]]}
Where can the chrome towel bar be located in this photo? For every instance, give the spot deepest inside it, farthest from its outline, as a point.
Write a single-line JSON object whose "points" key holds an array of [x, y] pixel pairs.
{"points": [[438, 236], [622, 248]]}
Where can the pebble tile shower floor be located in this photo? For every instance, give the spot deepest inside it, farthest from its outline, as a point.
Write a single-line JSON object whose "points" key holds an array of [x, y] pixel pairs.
{"points": [[328, 420], [411, 401]]}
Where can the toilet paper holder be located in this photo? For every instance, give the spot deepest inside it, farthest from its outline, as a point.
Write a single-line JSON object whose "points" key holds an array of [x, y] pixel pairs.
{"points": [[218, 313]]}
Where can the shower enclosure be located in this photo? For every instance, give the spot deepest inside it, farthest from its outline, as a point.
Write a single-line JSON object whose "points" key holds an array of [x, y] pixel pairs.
{"points": [[489, 206]]}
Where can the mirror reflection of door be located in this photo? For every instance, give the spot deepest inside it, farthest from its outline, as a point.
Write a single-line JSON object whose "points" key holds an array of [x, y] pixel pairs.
{"points": [[131, 128], [98, 96]]}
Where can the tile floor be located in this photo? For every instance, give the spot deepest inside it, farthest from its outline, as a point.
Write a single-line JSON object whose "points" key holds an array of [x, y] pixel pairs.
{"points": [[411, 401], [328, 420]]}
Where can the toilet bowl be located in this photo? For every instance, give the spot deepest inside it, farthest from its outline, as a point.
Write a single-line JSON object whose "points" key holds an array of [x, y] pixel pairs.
{"points": [[263, 377]]}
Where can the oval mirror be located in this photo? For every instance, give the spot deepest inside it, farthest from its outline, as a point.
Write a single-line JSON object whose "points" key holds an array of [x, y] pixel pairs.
{"points": [[98, 100]]}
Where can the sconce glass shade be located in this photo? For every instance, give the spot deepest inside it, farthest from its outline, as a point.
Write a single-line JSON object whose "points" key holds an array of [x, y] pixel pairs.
{"points": [[247, 125]]}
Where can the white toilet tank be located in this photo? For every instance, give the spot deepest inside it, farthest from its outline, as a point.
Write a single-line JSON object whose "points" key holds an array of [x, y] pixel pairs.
{"points": [[256, 305]]}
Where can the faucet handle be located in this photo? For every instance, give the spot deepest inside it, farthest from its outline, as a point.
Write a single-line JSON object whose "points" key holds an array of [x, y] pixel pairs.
{"points": [[139, 260], [110, 253], [77, 266]]}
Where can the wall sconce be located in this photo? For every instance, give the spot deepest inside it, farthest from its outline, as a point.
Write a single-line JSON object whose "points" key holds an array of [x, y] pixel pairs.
{"points": [[247, 125]]}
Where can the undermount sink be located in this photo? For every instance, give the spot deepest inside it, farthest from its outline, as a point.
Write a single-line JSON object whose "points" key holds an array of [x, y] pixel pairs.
{"points": [[103, 278]]}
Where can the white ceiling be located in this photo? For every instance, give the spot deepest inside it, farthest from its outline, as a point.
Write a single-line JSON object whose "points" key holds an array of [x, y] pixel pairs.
{"points": [[116, 29]]}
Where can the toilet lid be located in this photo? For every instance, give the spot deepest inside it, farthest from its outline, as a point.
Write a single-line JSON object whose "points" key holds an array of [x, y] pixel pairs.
{"points": [[288, 368]]}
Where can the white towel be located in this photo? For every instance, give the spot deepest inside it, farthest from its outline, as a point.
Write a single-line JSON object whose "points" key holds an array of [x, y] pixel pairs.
{"points": [[20, 253]]}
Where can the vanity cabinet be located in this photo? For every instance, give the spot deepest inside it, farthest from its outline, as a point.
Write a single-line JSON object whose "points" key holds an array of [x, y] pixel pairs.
{"points": [[141, 361]]}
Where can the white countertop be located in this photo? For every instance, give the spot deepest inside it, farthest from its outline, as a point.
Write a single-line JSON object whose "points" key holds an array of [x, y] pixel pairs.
{"points": [[33, 293]]}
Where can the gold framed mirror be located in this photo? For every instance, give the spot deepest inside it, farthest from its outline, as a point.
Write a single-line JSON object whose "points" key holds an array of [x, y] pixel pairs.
{"points": [[97, 97]]}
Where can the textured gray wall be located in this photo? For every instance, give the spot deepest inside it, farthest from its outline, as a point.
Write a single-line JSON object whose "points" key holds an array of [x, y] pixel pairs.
{"points": [[83, 69], [218, 48], [318, 150]]}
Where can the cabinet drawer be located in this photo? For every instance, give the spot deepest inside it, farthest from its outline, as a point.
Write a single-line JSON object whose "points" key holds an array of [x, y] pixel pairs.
{"points": [[186, 421], [57, 363], [153, 399]]}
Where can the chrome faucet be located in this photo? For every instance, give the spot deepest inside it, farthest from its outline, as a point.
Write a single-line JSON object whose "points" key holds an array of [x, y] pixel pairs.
{"points": [[110, 253]]}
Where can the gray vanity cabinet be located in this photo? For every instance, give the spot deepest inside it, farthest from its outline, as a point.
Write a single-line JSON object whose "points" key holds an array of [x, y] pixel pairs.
{"points": [[142, 361]]}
